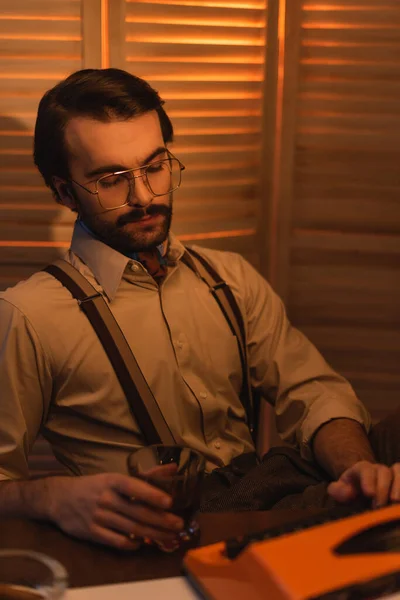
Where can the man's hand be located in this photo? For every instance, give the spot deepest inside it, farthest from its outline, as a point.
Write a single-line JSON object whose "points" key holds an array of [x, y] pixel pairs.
{"points": [[366, 479], [108, 508]]}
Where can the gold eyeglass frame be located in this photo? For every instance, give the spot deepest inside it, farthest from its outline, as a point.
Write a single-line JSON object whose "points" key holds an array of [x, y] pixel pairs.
{"points": [[145, 180]]}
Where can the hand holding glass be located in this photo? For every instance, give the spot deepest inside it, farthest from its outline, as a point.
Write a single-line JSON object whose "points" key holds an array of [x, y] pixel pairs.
{"points": [[179, 472]]}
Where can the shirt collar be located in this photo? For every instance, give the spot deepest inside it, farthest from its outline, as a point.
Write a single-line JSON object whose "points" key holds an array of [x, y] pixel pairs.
{"points": [[108, 265]]}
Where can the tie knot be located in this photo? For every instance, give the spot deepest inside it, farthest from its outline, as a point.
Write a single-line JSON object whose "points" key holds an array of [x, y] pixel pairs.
{"points": [[154, 263]]}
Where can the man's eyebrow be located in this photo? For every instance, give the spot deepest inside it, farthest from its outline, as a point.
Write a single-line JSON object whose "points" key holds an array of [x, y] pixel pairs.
{"points": [[118, 167]]}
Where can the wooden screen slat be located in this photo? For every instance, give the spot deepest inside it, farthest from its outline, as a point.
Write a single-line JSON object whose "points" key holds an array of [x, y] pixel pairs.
{"points": [[226, 4], [355, 53], [40, 9], [17, 67], [211, 16], [186, 34], [344, 263], [349, 103], [60, 29], [194, 53], [342, 212], [188, 71], [40, 44], [50, 49], [342, 17], [209, 90]]}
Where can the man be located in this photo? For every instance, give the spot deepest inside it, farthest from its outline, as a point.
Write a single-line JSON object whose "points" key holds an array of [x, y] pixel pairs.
{"points": [[101, 145]]}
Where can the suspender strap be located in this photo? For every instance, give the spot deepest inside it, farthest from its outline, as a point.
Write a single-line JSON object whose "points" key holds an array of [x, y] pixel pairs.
{"points": [[140, 398], [232, 313]]}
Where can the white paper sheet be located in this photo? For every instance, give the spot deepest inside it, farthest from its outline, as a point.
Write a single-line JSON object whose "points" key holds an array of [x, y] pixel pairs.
{"points": [[173, 588]]}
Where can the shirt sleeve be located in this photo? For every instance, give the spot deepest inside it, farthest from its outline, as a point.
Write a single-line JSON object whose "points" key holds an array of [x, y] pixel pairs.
{"points": [[25, 381], [290, 372]]}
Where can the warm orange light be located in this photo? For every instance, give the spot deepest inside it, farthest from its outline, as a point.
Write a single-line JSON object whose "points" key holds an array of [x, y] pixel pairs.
{"points": [[23, 188], [273, 230], [105, 50], [205, 77], [355, 132], [18, 132], [346, 7], [336, 96], [179, 114], [346, 44], [35, 36], [6, 17], [219, 131], [32, 244], [194, 40], [196, 22], [334, 233], [336, 25], [231, 95], [216, 149], [183, 237], [20, 94], [221, 183], [208, 3], [221, 167], [340, 61], [223, 60], [33, 75], [25, 206], [15, 152], [19, 115], [33, 56]]}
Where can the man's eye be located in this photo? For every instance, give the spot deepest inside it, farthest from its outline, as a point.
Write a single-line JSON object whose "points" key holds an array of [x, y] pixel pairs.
{"points": [[156, 167], [111, 181]]}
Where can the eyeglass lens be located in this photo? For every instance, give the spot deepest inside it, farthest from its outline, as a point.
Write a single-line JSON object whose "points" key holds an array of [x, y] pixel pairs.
{"points": [[161, 178]]}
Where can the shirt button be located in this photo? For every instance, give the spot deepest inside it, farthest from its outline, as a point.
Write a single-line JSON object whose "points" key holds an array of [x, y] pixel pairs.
{"points": [[217, 445], [203, 395], [135, 267]]}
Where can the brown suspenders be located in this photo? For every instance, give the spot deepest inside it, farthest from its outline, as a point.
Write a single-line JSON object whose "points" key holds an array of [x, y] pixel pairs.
{"points": [[142, 402], [233, 315]]}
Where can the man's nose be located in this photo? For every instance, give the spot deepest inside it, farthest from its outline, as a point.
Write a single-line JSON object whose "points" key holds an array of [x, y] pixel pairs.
{"points": [[140, 194]]}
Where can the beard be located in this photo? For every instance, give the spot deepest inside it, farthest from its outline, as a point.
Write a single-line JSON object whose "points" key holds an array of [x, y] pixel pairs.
{"points": [[124, 237]]}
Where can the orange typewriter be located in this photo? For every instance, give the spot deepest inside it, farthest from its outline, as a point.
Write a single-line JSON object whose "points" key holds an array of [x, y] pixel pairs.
{"points": [[328, 557]]}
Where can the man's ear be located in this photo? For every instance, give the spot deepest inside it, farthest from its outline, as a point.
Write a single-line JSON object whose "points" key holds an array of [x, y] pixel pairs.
{"points": [[65, 193]]}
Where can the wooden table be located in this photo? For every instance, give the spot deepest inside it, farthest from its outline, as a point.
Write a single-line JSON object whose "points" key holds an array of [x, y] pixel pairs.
{"points": [[90, 564]]}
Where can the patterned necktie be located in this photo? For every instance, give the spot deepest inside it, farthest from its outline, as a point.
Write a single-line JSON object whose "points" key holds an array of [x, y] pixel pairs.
{"points": [[155, 264]]}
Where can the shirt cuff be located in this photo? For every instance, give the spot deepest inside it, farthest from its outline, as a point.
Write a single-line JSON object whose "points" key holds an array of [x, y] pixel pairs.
{"points": [[324, 411]]}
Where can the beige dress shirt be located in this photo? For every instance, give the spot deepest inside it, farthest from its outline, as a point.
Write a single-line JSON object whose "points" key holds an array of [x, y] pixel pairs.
{"points": [[56, 378]]}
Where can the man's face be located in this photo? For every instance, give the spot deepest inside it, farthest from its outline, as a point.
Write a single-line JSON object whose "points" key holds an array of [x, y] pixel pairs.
{"points": [[96, 149]]}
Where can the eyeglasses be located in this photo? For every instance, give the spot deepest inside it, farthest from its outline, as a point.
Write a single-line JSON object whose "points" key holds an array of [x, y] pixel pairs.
{"points": [[116, 189]]}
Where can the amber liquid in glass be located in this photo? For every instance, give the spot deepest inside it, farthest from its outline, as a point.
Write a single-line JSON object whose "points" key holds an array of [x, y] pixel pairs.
{"points": [[186, 498]]}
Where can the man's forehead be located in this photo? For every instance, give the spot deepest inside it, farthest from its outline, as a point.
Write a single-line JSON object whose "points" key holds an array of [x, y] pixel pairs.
{"points": [[91, 139]]}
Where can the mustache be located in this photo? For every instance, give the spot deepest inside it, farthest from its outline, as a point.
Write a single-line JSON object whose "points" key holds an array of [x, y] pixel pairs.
{"points": [[138, 213]]}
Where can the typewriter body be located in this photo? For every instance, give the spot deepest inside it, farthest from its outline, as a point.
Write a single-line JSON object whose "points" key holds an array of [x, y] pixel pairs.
{"points": [[331, 557]]}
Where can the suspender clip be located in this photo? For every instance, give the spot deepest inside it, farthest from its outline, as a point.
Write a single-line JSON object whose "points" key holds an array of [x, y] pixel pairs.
{"points": [[80, 302], [217, 286]]}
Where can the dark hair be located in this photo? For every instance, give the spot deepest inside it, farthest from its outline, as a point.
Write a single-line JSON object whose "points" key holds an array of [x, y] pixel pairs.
{"points": [[101, 94]]}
